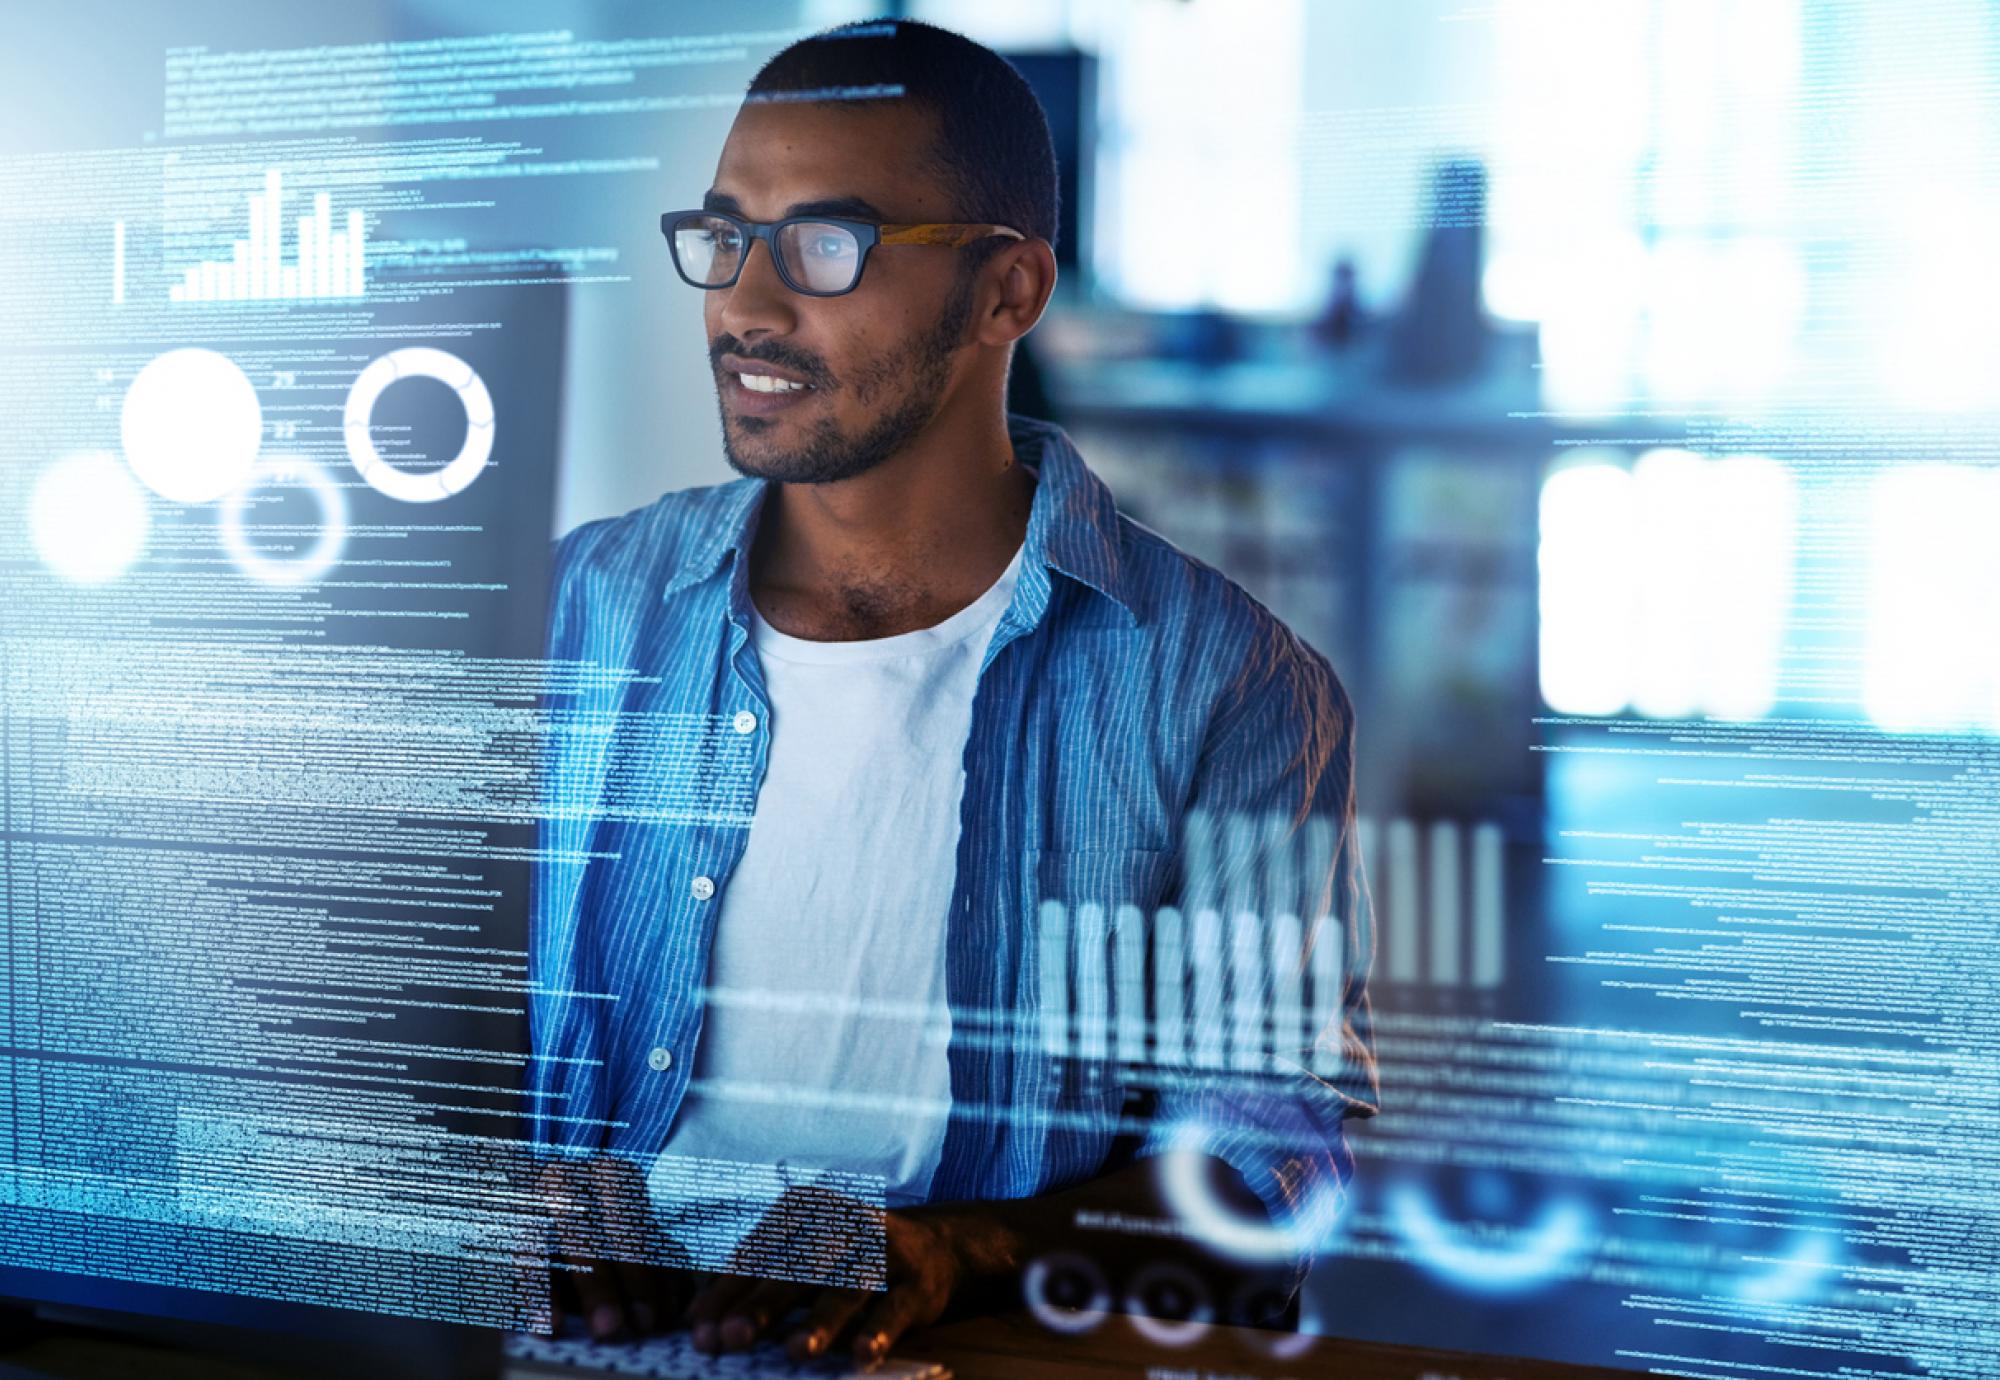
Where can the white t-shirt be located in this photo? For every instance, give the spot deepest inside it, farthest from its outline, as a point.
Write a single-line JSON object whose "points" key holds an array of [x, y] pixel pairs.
{"points": [[824, 1042]]}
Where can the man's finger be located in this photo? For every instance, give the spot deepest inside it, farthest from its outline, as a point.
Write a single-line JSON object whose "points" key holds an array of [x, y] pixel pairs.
{"points": [[752, 1315], [599, 1300], [665, 1290], [597, 1295], [902, 1308], [534, 1294], [832, 1310], [812, 1234], [534, 1281], [708, 1304], [704, 1314], [594, 1298], [588, 1283]]}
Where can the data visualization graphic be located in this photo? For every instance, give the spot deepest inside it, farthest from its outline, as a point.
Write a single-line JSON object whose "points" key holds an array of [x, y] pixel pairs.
{"points": [[324, 262]]}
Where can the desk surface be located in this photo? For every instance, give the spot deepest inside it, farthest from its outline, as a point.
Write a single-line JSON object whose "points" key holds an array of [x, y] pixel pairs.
{"points": [[1015, 1345], [995, 1348]]}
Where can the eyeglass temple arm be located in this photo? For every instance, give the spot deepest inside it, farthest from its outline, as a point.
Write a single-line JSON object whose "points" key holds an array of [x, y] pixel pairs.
{"points": [[954, 235]]}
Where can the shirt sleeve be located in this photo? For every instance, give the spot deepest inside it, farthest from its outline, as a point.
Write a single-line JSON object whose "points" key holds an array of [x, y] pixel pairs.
{"points": [[1268, 851]]}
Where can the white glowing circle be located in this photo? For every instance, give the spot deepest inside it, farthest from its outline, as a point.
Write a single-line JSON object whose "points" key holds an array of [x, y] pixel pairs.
{"points": [[314, 563], [1256, 1325], [1289, 1346], [87, 519], [1070, 1321], [419, 362], [1185, 1189], [1169, 1331], [1542, 1253], [191, 425]]}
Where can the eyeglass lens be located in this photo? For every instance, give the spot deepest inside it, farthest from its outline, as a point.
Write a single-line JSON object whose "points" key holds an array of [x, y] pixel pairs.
{"points": [[816, 256]]}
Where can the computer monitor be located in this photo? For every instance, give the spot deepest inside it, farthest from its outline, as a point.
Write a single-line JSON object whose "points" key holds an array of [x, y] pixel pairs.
{"points": [[267, 837]]}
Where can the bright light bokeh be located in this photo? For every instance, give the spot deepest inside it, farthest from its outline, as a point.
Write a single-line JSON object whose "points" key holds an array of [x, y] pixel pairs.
{"points": [[191, 425], [1588, 589], [1751, 528], [1665, 588], [87, 519], [1932, 661]]}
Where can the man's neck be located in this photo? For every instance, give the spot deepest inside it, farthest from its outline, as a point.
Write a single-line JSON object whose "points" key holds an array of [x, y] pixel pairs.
{"points": [[901, 547]]}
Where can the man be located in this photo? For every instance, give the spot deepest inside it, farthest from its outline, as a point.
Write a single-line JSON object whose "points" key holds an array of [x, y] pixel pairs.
{"points": [[952, 687]]}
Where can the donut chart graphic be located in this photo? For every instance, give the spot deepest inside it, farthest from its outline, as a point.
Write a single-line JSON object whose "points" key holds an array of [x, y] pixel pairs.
{"points": [[191, 430], [1066, 1292], [312, 564], [419, 362], [1542, 1253], [1186, 1192]]}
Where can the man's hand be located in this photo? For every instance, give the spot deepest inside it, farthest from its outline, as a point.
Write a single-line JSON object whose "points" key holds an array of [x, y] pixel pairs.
{"points": [[931, 1258], [835, 1250], [611, 1266]]}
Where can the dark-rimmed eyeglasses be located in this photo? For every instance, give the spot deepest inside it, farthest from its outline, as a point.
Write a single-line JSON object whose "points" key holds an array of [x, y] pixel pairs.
{"points": [[817, 256]]}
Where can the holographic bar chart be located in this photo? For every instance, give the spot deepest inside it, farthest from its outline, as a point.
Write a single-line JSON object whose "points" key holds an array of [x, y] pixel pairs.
{"points": [[325, 263]]}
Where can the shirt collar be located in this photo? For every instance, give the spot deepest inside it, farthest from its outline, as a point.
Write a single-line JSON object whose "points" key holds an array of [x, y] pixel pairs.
{"points": [[1072, 522]]}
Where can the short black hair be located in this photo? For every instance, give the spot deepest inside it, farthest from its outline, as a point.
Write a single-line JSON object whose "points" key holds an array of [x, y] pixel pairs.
{"points": [[993, 146]]}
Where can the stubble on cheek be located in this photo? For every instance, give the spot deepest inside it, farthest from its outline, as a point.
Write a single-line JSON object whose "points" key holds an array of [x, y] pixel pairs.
{"points": [[890, 365], [872, 379]]}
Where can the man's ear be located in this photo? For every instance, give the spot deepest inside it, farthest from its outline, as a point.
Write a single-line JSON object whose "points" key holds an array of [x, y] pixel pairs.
{"points": [[1017, 284]]}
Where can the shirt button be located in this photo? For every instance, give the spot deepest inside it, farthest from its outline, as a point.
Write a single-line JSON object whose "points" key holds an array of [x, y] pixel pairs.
{"points": [[745, 721], [661, 1059], [703, 888]]}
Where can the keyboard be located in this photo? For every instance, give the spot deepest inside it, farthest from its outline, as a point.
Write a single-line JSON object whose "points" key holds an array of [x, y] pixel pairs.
{"points": [[673, 1357]]}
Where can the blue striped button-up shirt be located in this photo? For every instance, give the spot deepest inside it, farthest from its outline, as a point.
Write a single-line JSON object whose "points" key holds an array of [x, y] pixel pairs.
{"points": [[1148, 744]]}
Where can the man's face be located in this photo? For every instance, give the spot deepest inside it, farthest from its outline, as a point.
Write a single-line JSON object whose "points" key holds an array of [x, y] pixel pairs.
{"points": [[877, 361]]}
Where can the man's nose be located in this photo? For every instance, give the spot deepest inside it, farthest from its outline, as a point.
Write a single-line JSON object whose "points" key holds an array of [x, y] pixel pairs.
{"points": [[759, 303]]}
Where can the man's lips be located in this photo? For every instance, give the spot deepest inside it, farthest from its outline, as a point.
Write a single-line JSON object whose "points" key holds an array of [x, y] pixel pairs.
{"points": [[758, 369], [759, 389], [746, 401]]}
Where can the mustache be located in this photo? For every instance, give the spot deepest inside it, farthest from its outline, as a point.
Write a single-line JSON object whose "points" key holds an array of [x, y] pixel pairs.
{"points": [[808, 366]]}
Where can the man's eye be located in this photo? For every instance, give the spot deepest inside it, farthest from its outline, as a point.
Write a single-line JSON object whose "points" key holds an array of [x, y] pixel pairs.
{"points": [[827, 246]]}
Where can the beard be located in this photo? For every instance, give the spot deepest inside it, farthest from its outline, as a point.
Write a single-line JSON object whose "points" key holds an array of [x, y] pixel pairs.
{"points": [[828, 453]]}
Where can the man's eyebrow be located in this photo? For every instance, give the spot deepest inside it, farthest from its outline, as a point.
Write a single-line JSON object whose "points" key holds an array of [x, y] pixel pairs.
{"points": [[852, 207], [848, 207]]}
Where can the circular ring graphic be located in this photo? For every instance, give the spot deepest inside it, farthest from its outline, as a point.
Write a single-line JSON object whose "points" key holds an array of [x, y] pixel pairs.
{"points": [[297, 570], [1182, 1291], [1188, 1194], [1255, 1308], [1061, 1316], [1539, 1255], [420, 362]]}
